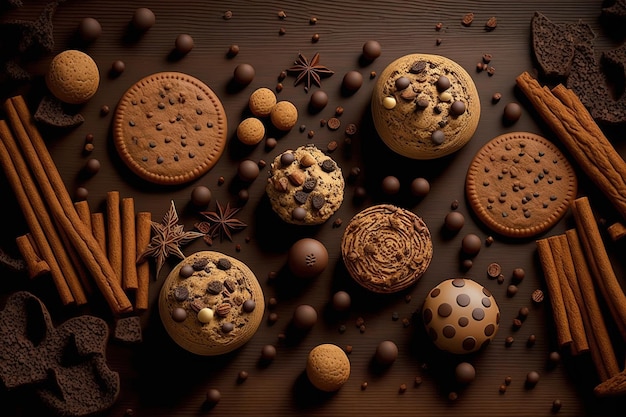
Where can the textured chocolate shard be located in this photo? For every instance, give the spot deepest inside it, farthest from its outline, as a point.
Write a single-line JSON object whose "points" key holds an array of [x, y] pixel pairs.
{"points": [[51, 111], [128, 330], [616, 11]]}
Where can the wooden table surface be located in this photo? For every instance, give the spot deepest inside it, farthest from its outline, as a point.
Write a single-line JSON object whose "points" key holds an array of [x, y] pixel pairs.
{"points": [[160, 379]]}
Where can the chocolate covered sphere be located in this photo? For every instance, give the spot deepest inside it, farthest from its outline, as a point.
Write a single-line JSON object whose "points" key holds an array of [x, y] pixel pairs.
{"points": [[420, 187], [341, 301], [319, 100], [248, 170], [307, 258], [386, 352], [183, 43], [200, 196], [390, 185], [465, 373], [460, 315], [454, 221], [471, 244], [512, 112], [352, 81], [143, 19], [304, 317], [89, 29], [371, 50], [244, 74]]}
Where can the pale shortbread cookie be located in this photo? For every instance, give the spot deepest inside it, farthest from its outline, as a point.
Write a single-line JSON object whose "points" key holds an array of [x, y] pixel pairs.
{"points": [[420, 116], [328, 367], [217, 282], [284, 115], [73, 77], [305, 186], [250, 131], [261, 102]]}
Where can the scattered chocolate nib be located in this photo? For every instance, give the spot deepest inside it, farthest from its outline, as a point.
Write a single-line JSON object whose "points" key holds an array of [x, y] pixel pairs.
{"points": [[128, 330], [51, 111]]}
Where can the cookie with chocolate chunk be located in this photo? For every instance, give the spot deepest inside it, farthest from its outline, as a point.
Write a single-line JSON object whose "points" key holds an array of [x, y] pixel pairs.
{"points": [[305, 186], [211, 303], [170, 128], [520, 185]]}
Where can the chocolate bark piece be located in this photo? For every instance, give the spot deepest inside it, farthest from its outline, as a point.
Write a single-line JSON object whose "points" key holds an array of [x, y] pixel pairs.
{"points": [[51, 111], [128, 330]]}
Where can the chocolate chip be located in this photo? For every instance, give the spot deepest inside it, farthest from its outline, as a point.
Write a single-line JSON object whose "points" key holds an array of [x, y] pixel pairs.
{"points": [[418, 67], [333, 123], [215, 287], [301, 196], [493, 270], [329, 165], [200, 264], [351, 129], [181, 293], [318, 201], [223, 264], [309, 185]]}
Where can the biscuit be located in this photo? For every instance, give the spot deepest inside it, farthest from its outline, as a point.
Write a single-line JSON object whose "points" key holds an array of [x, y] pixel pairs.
{"points": [[211, 303], [305, 186], [284, 115], [170, 128], [520, 185], [386, 248], [73, 77], [425, 106], [261, 102], [328, 367], [250, 131]]}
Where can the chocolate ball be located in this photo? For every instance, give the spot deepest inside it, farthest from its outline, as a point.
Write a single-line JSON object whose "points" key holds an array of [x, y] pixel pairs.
{"points": [[402, 83], [532, 378], [268, 353], [512, 112], [465, 373], [244, 74], [183, 43], [89, 29], [471, 244], [319, 100], [248, 170], [454, 221], [81, 194], [118, 67], [457, 108], [371, 50], [200, 196], [92, 166], [341, 301], [298, 213], [143, 19], [307, 258], [213, 396], [386, 352], [443, 83], [390, 185], [352, 81], [420, 187], [304, 317]]}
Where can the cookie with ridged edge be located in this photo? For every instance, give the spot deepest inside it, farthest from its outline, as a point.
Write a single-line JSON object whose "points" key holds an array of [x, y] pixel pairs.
{"points": [[520, 185], [224, 285], [386, 248], [170, 128], [418, 117]]}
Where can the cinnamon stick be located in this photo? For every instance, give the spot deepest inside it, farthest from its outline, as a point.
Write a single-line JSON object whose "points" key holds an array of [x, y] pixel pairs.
{"points": [[616, 231], [114, 233], [612, 387], [565, 114], [35, 266], [129, 244], [98, 229], [563, 333], [590, 303], [598, 260], [59, 202], [84, 212], [143, 224]]}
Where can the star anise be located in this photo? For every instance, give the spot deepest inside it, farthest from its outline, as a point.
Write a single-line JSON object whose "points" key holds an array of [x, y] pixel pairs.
{"points": [[167, 238], [309, 71], [221, 222]]}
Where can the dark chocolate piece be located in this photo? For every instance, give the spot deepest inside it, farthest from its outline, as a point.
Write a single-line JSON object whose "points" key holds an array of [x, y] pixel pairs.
{"points": [[51, 111]]}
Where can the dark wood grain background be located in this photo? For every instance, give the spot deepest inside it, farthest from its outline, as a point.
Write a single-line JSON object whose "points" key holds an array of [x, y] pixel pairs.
{"points": [[160, 379]]}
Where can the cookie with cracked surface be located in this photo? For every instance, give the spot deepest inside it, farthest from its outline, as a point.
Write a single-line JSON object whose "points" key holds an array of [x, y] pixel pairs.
{"points": [[170, 128], [520, 185], [386, 248]]}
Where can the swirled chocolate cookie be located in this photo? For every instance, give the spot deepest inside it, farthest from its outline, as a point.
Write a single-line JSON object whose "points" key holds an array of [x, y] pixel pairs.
{"points": [[211, 303], [519, 184], [305, 186], [386, 248], [169, 128], [425, 106]]}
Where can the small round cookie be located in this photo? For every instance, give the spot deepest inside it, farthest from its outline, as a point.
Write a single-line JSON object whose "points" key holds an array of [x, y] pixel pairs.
{"points": [[211, 303], [250, 131], [386, 248], [169, 128], [425, 106], [73, 77], [520, 185], [261, 102], [284, 115], [305, 186], [327, 367]]}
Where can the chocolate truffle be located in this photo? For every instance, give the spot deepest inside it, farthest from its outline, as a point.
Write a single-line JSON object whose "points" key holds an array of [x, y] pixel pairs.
{"points": [[92, 166], [183, 43], [244, 74], [117, 67], [371, 50], [420, 187], [465, 373], [89, 29], [532, 378], [268, 353], [341, 301], [213, 396], [352, 81], [386, 352], [248, 170], [307, 258], [454, 221], [319, 100], [390, 185], [512, 112], [471, 244], [143, 19], [201, 196], [304, 317]]}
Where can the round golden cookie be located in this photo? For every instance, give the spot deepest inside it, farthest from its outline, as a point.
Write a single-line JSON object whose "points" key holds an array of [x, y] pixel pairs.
{"points": [[169, 128], [386, 248], [327, 367], [416, 114], [250, 131], [211, 303], [73, 77], [305, 186], [261, 102], [520, 185], [284, 115]]}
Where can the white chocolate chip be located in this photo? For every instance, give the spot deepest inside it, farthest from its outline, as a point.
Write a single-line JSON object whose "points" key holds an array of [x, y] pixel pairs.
{"points": [[445, 96], [389, 103], [205, 315]]}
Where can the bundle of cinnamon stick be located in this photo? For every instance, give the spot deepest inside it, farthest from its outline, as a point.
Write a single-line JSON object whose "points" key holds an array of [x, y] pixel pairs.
{"points": [[60, 241]]}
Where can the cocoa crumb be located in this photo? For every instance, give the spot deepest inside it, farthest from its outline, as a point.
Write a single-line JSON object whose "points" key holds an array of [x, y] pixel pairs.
{"points": [[491, 24], [468, 19]]}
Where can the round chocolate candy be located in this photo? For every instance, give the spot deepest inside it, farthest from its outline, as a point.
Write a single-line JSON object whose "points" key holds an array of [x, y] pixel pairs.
{"points": [[183, 43], [319, 100], [248, 170], [471, 244], [454, 221], [443, 83], [438, 137], [420, 187], [118, 67], [457, 108], [304, 317], [307, 258], [512, 112], [390, 185], [532, 378], [200, 196], [402, 83], [465, 373], [143, 19], [89, 29], [341, 301], [244, 74], [268, 352], [352, 81], [92, 166], [81, 193], [371, 50], [213, 396], [386, 352]]}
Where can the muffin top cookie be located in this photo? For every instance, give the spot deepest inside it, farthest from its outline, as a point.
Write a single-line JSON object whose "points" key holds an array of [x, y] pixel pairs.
{"points": [[169, 128], [211, 303], [520, 185], [425, 106], [386, 248], [305, 186]]}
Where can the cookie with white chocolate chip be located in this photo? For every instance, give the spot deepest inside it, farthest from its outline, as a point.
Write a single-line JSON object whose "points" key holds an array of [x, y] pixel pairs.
{"points": [[305, 186]]}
